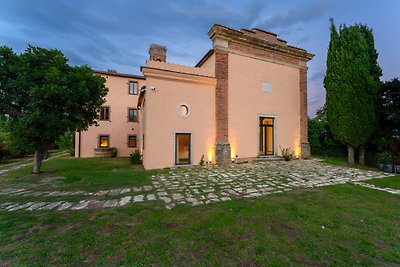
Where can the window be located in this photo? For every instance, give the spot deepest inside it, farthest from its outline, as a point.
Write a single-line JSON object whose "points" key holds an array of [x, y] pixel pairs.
{"points": [[132, 142], [132, 115], [182, 148], [104, 141], [183, 110], [104, 113], [133, 88]]}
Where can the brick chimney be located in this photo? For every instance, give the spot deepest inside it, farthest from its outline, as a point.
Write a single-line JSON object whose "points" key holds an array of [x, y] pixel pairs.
{"points": [[158, 53]]}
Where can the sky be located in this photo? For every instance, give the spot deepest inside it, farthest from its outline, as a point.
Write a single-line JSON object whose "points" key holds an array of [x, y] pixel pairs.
{"points": [[117, 34]]}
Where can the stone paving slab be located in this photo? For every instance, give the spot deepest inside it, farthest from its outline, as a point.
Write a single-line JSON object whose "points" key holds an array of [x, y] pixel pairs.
{"points": [[386, 189], [202, 185]]}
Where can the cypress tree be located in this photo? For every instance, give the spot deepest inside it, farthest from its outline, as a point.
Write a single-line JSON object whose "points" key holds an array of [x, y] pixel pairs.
{"points": [[351, 83]]}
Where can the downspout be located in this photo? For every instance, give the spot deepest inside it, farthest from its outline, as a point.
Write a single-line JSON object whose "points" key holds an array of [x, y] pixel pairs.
{"points": [[79, 144]]}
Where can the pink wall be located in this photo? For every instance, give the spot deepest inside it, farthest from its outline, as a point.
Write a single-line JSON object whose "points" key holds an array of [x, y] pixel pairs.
{"points": [[118, 128], [209, 64], [162, 120], [247, 102]]}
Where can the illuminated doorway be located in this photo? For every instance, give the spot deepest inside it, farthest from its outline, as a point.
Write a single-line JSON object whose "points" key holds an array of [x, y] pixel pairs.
{"points": [[182, 148], [266, 136]]}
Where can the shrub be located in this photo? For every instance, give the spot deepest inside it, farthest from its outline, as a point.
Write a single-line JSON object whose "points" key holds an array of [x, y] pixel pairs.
{"points": [[287, 153], [201, 163], [67, 142], [321, 139], [384, 157], [136, 157]]}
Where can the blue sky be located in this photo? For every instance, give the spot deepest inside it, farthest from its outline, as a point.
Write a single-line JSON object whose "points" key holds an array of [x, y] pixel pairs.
{"points": [[117, 34]]}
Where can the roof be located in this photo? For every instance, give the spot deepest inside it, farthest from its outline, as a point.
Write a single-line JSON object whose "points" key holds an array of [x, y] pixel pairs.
{"points": [[177, 68], [258, 38], [118, 74], [204, 58]]}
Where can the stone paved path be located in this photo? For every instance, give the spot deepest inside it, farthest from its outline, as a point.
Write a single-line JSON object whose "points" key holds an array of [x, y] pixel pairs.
{"points": [[203, 185], [386, 189]]}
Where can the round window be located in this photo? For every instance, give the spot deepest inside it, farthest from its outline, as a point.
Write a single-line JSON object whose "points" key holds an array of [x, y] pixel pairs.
{"points": [[183, 110]]}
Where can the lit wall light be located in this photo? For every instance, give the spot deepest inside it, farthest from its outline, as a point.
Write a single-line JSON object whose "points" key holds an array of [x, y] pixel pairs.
{"points": [[234, 159]]}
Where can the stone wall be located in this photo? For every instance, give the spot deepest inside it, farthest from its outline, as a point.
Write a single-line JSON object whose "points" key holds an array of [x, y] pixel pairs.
{"points": [[109, 152]]}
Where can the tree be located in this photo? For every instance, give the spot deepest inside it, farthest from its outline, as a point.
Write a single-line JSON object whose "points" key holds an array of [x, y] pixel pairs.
{"points": [[44, 97], [389, 116], [351, 83], [321, 139]]}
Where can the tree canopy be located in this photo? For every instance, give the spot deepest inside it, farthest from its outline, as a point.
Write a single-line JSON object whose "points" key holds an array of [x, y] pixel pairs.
{"points": [[389, 116], [351, 83], [44, 97]]}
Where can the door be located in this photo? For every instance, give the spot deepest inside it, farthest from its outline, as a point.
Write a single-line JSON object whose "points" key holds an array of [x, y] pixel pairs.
{"points": [[182, 148], [266, 136]]}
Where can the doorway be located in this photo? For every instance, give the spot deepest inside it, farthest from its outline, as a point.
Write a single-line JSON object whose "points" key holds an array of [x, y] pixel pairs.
{"points": [[182, 148], [266, 136]]}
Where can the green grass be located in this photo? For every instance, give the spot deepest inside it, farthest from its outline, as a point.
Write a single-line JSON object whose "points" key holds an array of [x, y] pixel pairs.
{"points": [[391, 182], [9, 163], [88, 174], [343, 163], [336, 225]]}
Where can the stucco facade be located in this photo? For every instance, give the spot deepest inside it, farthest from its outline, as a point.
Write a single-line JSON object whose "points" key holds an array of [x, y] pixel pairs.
{"points": [[117, 127], [246, 98]]}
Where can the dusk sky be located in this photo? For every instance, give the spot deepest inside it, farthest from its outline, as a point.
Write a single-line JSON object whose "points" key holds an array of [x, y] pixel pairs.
{"points": [[117, 34]]}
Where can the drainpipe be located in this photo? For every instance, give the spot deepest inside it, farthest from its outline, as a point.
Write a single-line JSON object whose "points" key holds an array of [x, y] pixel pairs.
{"points": [[79, 144]]}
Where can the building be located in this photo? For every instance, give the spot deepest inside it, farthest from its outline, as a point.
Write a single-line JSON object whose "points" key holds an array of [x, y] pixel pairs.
{"points": [[117, 129], [246, 98]]}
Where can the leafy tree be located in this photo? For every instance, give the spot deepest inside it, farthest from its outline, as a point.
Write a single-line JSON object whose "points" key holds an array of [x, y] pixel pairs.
{"points": [[67, 142], [389, 116], [351, 83], [321, 139], [44, 97]]}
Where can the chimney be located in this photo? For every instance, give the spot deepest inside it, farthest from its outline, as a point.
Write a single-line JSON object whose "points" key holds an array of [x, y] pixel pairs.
{"points": [[158, 53]]}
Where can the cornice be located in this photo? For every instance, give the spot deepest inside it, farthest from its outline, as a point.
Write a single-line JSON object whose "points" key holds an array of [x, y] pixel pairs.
{"points": [[218, 33]]}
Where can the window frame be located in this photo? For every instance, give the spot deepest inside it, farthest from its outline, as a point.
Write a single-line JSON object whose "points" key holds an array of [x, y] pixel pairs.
{"points": [[129, 88], [176, 148], [266, 126], [108, 140], [188, 109], [133, 115], [136, 140], [109, 113]]}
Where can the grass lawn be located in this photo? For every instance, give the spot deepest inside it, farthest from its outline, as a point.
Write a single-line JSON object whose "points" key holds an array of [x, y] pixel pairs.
{"points": [[9, 163], [89, 174], [343, 163], [334, 225], [392, 182]]}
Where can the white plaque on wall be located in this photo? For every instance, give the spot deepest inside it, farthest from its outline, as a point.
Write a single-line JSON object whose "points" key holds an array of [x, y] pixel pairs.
{"points": [[266, 88]]}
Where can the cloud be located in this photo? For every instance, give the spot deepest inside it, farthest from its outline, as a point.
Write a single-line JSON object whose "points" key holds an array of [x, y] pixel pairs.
{"points": [[303, 13], [106, 34]]}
